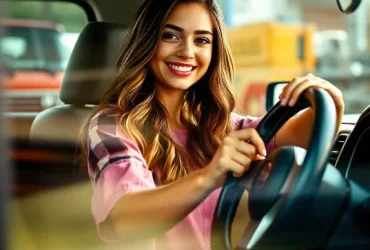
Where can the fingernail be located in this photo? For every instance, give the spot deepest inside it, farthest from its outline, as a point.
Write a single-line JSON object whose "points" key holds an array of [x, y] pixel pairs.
{"points": [[281, 95], [291, 103], [264, 153], [283, 102], [260, 157]]}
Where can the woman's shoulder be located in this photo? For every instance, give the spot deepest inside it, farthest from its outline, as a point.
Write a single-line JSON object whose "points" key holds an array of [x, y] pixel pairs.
{"points": [[244, 121], [105, 134], [103, 118], [105, 126]]}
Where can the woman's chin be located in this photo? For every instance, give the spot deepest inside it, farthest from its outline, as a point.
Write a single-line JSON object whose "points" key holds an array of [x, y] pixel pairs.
{"points": [[180, 85]]}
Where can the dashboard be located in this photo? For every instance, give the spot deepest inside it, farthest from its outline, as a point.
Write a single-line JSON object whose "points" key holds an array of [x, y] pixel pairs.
{"points": [[352, 145]]}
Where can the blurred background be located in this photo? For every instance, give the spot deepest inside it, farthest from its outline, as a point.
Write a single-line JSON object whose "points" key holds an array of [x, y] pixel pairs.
{"points": [[275, 40], [38, 40], [271, 40]]}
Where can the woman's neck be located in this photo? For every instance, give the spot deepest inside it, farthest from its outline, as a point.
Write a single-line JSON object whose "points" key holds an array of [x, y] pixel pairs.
{"points": [[174, 113], [173, 102]]}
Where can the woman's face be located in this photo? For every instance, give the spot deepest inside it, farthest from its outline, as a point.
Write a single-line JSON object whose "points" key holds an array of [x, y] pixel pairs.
{"points": [[185, 50]]}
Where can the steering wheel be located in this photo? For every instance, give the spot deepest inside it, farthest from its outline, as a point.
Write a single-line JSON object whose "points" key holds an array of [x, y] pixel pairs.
{"points": [[276, 203]]}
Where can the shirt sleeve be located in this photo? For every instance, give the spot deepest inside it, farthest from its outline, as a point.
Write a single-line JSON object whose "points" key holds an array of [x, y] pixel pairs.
{"points": [[116, 167], [241, 122]]}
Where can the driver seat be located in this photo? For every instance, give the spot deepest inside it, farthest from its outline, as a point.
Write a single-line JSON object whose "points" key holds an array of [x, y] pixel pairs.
{"points": [[90, 71]]}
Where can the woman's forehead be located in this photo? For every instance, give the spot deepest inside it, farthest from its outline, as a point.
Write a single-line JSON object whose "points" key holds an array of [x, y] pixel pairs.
{"points": [[190, 16]]}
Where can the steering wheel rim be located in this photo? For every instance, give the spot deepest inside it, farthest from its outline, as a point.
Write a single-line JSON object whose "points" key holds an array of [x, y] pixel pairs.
{"points": [[306, 180]]}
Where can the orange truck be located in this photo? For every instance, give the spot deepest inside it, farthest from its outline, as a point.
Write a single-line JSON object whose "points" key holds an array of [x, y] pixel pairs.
{"points": [[266, 52], [35, 60]]}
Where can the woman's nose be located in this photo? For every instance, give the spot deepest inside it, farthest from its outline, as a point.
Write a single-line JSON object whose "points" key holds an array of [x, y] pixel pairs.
{"points": [[186, 50]]}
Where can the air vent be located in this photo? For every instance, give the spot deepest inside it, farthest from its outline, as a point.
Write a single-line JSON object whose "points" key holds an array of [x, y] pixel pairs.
{"points": [[337, 147]]}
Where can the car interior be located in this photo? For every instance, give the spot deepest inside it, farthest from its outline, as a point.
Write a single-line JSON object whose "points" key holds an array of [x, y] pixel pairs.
{"points": [[46, 193]]}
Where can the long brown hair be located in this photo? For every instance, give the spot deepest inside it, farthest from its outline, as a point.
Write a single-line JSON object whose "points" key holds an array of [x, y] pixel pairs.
{"points": [[206, 108]]}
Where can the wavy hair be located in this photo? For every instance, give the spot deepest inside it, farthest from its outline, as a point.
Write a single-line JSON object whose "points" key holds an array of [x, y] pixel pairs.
{"points": [[206, 108]]}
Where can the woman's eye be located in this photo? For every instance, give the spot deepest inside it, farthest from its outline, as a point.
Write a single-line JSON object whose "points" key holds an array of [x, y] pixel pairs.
{"points": [[203, 40], [169, 36]]}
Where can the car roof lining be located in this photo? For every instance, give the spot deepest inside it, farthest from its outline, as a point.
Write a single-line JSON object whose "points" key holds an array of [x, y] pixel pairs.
{"points": [[103, 10]]}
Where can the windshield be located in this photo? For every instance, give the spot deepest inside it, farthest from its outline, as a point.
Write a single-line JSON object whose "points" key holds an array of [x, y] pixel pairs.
{"points": [[277, 40], [28, 48]]}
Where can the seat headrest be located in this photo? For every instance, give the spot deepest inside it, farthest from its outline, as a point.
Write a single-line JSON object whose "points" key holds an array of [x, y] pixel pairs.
{"points": [[92, 66]]}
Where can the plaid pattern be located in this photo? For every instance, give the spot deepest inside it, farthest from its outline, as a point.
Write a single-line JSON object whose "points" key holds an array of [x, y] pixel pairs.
{"points": [[107, 145]]}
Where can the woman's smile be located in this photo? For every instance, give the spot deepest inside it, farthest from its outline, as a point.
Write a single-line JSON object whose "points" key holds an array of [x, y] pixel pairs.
{"points": [[180, 69]]}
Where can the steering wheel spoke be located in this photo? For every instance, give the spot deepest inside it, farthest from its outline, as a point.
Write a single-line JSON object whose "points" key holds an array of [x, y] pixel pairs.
{"points": [[256, 229]]}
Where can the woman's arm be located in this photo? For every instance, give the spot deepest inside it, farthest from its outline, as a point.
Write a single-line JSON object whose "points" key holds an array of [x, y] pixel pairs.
{"points": [[149, 213], [125, 195], [297, 131], [152, 212]]}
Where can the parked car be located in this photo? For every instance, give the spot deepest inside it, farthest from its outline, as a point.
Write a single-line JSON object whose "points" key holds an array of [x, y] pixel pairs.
{"points": [[34, 63]]}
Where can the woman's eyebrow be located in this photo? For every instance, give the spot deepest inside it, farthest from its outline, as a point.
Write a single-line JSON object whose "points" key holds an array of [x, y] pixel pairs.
{"points": [[179, 29]]}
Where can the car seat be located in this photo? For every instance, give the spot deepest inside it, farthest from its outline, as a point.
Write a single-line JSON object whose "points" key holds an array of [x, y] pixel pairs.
{"points": [[90, 71]]}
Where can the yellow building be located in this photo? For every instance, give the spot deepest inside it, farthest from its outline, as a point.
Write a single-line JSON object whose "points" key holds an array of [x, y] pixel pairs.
{"points": [[267, 52]]}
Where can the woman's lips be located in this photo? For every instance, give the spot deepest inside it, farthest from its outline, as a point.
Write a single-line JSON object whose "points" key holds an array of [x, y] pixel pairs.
{"points": [[177, 72]]}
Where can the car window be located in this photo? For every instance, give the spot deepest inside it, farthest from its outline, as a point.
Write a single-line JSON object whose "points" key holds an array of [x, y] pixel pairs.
{"points": [[13, 45], [37, 42], [278, 40], [32, 49]]}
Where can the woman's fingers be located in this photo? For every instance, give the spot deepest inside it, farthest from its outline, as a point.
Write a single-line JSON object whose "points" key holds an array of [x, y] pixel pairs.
{"points": [[247, 137], [288, 89], [302, 87], [247, 148], [237, 155], [242, 159], [227, 164], [294, 89], [237, 169]]}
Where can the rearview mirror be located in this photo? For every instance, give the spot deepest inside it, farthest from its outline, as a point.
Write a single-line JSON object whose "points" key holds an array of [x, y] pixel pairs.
{"points": [[348, 6], [274, 89]]}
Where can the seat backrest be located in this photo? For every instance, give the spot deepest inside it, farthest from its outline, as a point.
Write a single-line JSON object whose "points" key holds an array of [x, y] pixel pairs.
{"points": [[90, 71]]}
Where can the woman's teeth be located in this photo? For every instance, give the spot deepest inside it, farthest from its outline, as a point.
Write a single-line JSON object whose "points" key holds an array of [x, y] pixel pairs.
{"points": [[181, 68]]}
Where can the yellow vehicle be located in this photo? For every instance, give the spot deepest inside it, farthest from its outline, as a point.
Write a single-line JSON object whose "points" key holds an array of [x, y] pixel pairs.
{"points": [[266, 52]]}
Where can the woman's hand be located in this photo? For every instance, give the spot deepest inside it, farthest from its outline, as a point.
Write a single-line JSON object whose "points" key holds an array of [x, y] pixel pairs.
{"points": [[294, 89], [297, 131], [235, 154]]}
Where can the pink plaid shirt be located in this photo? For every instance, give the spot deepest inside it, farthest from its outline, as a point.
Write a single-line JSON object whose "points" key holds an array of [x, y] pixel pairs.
{"points": [[116, 167]]}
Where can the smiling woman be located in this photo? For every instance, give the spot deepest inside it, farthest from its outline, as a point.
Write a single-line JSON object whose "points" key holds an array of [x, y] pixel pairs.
{"points": [[165, 136], [173, 89], [183, 54]]}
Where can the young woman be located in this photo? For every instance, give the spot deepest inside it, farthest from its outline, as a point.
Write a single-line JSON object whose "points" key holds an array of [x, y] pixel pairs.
{"points": [[165, 136]]}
